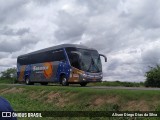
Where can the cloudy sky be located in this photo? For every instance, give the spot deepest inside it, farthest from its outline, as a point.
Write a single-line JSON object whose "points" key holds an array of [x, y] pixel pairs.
{"points": [[126, 31]]}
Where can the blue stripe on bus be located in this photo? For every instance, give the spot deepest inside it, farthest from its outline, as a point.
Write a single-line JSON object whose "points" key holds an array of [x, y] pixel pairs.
{"points": [[64, 67]]}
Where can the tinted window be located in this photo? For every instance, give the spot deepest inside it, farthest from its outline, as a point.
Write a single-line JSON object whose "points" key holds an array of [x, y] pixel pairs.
{"points": [[48, 56], [22, 60], [73, 58], [58, 55]]}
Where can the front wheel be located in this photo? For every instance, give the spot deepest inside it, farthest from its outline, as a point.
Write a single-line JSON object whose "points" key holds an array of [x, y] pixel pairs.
{"points": [[83, 84], [64, 81]]}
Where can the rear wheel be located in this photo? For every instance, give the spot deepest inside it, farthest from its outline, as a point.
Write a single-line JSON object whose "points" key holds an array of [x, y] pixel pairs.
{"points": [[83, 84], [44, 83], [64, 81], [28, 81]]}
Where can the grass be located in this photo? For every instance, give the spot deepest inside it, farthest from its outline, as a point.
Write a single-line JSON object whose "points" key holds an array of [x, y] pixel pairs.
{"points": [[118, 83], [7, 81], [58, 98]]}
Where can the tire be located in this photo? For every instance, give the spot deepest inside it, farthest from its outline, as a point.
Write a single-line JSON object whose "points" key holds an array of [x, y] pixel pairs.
{"points": [[27, 81], [83, 84], [64, 81], [44, 83]]}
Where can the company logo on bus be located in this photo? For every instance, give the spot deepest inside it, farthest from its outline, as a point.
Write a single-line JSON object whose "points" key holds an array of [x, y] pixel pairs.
{"points": [[35, 68], [46, 69], [49, 71]]}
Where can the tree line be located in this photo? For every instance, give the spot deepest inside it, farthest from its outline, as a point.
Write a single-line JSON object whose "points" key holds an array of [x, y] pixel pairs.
{"points": [[8, 76], [153, 77]]}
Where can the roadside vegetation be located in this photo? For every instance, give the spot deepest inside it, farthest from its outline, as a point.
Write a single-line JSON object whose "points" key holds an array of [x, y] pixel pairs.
{"points": [[8, 76], [118, 83], [58, 98], [153, 77]]}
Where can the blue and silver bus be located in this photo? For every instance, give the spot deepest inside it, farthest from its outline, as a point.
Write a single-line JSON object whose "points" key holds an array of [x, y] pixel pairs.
{"points": [[65, 64]]}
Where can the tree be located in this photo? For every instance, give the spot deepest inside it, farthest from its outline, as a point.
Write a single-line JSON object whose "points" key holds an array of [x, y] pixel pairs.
{"points": [[153, 77], [9, 73]]}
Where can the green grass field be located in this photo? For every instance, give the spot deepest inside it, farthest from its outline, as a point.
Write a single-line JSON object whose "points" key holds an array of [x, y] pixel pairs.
{"points": [[7, 81], [58, 98], [118, 83]]}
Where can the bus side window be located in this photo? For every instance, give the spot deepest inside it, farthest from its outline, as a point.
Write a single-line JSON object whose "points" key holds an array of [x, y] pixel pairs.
{"points": [[58, 55], [23, 60], [73, 58], [75, 62], [48, 56]]}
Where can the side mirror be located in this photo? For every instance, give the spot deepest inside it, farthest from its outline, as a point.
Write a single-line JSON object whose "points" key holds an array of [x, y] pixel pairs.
{"points": [[105, 58]]}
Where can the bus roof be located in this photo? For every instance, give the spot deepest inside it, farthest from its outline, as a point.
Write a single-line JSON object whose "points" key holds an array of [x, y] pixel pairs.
{"points": [[58, 47]]}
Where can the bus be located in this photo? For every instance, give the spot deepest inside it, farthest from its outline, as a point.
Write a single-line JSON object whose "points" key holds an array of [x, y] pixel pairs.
{"points": [[65, 64]]}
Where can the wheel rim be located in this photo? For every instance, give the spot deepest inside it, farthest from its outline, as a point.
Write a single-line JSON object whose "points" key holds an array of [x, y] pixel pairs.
{"points": [[27, 81], [64, 81]]}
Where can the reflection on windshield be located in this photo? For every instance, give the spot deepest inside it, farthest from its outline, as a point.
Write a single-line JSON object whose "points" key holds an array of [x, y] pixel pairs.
{"points": [[83, 59], [90, 60]]}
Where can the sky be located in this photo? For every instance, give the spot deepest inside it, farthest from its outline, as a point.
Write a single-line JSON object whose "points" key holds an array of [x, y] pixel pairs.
{"points": [[126, 31]]}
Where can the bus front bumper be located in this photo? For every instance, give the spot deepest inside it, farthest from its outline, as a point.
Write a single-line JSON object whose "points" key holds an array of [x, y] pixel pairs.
{"points": [[90, 77]]}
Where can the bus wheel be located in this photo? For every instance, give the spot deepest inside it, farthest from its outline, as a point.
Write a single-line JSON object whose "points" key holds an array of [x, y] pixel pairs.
{"points": [[83, 84], [44, 83], [64, 81], [28, 81]]}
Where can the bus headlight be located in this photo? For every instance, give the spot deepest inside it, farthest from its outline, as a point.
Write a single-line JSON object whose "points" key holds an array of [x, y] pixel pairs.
{"points": [[84, 75]]}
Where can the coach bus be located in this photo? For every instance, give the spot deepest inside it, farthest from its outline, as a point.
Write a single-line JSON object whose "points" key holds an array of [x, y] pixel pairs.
{"points": [[65, 64]]}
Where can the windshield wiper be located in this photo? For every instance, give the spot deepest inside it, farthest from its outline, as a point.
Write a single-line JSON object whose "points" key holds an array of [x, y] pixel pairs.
{"points": [[90, 65], [96, 65], [92, 62]]}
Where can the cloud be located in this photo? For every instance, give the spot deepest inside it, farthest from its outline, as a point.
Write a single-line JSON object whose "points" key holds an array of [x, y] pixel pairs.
{"points": [[12, 11], [150, 56], [14, 43], [126, 31], [70, 28], [4, 55], [7, 62], [143, 14], [12, 32]]}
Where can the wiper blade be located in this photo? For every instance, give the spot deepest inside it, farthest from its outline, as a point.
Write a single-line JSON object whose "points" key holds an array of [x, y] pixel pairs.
{"points": [[92, 62], [96, 66], [90, 65]]}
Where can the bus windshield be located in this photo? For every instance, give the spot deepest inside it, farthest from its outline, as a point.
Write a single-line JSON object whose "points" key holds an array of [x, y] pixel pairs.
{"points": [[90, 60], [84, 59]]}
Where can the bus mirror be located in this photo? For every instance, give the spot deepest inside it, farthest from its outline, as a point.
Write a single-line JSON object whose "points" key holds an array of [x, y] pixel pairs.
{"points": [[105, 58]]}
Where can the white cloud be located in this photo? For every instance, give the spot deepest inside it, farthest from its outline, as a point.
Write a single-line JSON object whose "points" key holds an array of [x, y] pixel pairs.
{"points": [[127, 31]]}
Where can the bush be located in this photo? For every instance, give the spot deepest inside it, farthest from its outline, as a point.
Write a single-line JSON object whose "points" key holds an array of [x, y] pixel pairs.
{"points": [[8, 76], [153, 77]]}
